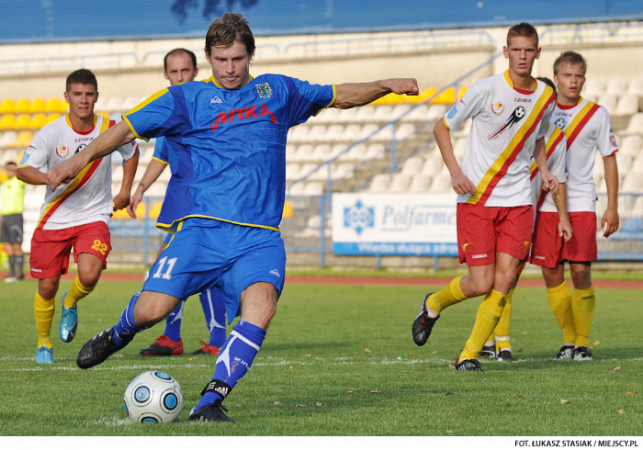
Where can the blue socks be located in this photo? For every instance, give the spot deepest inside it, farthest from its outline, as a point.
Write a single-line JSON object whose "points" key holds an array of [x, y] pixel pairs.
{"points": [[235, 359], [173, 323], [214, 310], [126, 328]]}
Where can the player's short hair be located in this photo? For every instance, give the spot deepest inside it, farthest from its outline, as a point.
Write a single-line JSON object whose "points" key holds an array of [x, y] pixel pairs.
{"points": [[83, 76], [548, 82], [178, 51], [569, 57], [10, 163], [229, 28], [523, 29]]}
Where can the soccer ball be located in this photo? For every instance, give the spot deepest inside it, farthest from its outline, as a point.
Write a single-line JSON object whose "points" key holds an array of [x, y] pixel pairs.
{"points": [[153, 397]]}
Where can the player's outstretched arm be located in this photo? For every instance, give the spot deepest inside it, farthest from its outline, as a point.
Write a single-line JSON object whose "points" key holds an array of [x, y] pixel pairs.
{"points": [[459, 181], [152, 172], [122, 199], [350, 95], [610, 219], [104, 144], [31, 175]]}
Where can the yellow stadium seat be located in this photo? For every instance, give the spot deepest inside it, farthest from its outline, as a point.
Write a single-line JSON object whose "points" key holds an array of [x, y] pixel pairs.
{"points": [[38, 121], [155, 210], [23, 121], [8, 122], [287, 214], [447, 96], [38, 105], [23, 105], [23, 139], [8, 106], [56, 105], [121, 214], [51, 117], [461, 92]]}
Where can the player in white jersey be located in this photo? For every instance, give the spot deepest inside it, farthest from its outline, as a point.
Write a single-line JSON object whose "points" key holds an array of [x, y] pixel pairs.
{"points": [[74, 214], [495, 214], [499, 342], [587, 127]]}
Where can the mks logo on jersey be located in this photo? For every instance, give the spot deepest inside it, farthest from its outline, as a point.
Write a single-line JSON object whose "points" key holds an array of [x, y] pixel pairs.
{"points": [[264, 90], [497, 108], [62, 152]]}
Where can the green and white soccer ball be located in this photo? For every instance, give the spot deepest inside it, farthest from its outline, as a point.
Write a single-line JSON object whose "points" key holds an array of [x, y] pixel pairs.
{"points": [[153, 397]]}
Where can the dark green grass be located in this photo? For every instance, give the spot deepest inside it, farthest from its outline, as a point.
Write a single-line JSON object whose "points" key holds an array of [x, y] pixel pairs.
{"points": [[338, 361]]}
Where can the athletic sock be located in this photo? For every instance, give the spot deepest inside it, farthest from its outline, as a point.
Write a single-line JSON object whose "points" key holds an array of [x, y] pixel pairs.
{"points": [[76, 292], [234, 360], [560, 301], [12, 265], [126, 328], [44, 313], [173, 323], [487, 318], [583, 305], [20, 262], [449, 295], [503, 341], [214, 310]]}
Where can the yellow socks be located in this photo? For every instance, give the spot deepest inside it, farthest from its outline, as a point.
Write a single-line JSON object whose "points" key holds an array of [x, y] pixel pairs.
{"points": [[487, 318], [449, 295], [503, 341], [76, 292], [44, 314], [583, 304], [560, 301]]}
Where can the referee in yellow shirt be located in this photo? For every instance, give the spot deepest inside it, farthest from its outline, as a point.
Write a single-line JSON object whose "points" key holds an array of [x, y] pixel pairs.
{"points": [[12, 204]]}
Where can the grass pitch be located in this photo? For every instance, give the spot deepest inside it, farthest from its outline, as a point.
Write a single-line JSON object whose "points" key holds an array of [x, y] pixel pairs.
{"points": [[337, 361]]}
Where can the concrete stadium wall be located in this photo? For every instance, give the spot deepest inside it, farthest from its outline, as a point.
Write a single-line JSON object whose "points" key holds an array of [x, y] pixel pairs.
{"points": [[141, 61]]}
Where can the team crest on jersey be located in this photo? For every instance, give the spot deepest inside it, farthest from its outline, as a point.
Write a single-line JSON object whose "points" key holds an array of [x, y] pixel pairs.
{"points": [[62, 152], [264, 90], [561, 123], [497, 108], [516, 116]]}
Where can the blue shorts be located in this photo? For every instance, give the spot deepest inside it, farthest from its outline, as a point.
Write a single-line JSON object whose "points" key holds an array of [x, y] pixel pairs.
{"points": [[208, 253]]}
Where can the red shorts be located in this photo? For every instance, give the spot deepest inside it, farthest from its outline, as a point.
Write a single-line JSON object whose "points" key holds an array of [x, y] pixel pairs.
{"points": [[50, 249], [485, 230], [550, 250]]}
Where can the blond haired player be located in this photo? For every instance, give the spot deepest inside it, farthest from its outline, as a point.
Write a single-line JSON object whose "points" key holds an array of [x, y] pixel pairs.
{"points": [[499, 343], [510, 112], [587, 127], [74, 214]]}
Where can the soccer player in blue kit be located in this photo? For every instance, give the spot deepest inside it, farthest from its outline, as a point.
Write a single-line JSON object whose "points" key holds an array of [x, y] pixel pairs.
{"points": [[179, 66], [229, 136]]}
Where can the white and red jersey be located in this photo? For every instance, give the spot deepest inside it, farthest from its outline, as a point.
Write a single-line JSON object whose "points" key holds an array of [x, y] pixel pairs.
{"points": [[556, 145], [506, 124], [587, 127], [88, 197]]}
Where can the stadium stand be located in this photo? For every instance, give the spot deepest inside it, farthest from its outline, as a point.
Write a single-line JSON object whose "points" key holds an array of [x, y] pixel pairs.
{"points": [[384, 147]]}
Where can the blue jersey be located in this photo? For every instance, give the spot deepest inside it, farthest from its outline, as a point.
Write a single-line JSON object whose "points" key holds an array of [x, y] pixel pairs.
{"points": [[230, 145], [177, 202]]}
